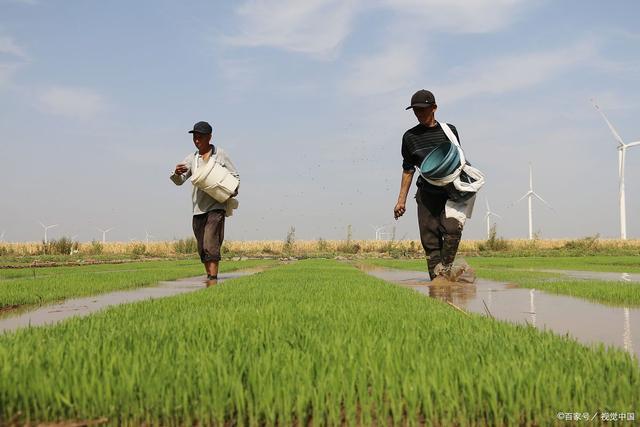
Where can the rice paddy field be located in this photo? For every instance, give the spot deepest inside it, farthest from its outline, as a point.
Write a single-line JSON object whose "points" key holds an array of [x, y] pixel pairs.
{"points": [[525, 273], [313, 342], [31, 286]]}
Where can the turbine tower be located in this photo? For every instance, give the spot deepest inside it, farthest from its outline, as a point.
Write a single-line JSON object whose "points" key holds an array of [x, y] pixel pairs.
{"points": [[378, 230], [46, 228], [488, 215], [529, 194], [622, 153], [2, 236], [147, 236], [104, 233]]}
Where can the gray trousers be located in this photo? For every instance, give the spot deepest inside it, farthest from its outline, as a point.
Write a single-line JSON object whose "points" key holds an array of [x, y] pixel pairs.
{"points": [[440, 236]]}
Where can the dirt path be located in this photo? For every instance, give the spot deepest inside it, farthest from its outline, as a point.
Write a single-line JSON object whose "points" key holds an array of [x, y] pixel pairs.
{"points": [[586, 321]]}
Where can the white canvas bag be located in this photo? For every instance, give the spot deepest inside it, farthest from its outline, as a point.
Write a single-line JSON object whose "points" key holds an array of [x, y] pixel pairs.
{"points": [[460, 210], [214, 178]]}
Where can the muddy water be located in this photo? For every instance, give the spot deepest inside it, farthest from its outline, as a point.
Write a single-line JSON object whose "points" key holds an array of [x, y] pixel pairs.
{"points": [[597, 275], [84, 306], [585, 321]]}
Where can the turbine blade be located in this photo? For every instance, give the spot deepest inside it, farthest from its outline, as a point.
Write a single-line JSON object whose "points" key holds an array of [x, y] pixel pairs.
{"points": [[43, 226], [611, 128], [496, 215], [523, 197], [543, 201], [510, 205], [632, 144]]}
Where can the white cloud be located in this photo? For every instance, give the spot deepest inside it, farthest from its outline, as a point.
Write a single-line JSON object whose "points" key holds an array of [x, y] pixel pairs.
{"points": [[25, 1], [6, 73], [71, 102], [319, 27], [8, 46], [511, 73], [457, 16], [385, 72], [315, 27], [12, 57]]}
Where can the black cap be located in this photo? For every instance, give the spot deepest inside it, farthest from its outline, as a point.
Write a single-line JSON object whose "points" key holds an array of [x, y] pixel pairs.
{"points": [[422, 98], [202, 127]]}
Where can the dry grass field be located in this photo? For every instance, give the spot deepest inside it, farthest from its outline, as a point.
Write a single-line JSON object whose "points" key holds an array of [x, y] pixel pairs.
{"points": [[305, 248]]}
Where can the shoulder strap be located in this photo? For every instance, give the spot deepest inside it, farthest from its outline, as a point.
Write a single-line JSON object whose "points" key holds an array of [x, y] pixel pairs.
{"points": [[447, 131], [452, 137]]}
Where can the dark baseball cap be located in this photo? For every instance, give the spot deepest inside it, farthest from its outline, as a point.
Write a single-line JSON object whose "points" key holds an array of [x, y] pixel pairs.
{"points": [[422, 98], [202, 127]]}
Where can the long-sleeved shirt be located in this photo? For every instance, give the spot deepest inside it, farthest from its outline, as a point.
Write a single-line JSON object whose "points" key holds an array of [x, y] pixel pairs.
{"points": [[202, 202]]}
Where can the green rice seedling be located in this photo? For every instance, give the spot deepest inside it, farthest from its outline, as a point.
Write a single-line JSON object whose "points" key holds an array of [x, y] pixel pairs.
{"points": [[316, 342], [37, 286]]}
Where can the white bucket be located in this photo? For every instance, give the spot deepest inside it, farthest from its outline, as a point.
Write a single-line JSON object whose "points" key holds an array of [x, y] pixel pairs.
{"points": [[215, 180]]}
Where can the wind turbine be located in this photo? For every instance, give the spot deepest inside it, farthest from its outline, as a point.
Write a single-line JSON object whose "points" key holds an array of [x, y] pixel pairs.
{"points": [[378, 230], [622, 153], [488, 217], [46, 227], [2, 236], [529, 194], [147, 236], [104, 233]]}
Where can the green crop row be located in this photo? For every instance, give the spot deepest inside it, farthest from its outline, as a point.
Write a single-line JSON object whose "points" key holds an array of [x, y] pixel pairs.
{"points": [[315, 342], [37, 286]]}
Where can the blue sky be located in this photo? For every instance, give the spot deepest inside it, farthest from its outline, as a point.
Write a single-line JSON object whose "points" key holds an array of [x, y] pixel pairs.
{"points": [[308, 99]]}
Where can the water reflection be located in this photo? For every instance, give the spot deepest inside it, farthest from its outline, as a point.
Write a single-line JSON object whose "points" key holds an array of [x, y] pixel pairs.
{"points": [[586, 321], [626, 337]]}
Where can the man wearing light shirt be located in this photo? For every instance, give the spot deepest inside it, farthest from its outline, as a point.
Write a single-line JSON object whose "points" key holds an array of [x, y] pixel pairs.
{"points": [[208, 214]]}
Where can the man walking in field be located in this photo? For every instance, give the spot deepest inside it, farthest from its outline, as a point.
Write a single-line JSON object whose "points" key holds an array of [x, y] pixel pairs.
{"points": [[208, 214], [440, 235]]}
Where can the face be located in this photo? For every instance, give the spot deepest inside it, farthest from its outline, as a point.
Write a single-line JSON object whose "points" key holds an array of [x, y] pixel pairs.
{"points": [[201, 140], [425, 114]]}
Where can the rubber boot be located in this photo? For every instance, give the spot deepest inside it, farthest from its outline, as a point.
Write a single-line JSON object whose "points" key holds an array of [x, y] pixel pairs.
{"points": [[432, 262], [450, 243]]}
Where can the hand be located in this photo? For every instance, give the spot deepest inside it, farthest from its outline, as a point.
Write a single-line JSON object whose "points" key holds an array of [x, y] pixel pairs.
{"points": [[181, 168], [399, 210]]}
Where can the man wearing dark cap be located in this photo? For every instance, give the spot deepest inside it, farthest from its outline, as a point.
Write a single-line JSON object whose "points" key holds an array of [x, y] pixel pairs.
{"points": [[208, 214], [440, 236]]}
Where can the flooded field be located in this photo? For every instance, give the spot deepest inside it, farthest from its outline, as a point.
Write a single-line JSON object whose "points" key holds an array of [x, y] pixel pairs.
{"points": [[313, 342], [53, 313], [588, 322], [597, 275]]}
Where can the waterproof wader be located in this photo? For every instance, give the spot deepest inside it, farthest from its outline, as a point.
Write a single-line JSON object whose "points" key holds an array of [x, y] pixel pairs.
{"points": [[440, 236]]}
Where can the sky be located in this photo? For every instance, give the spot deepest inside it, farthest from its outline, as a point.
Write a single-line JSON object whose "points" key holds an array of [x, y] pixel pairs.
{"points": [[308, 99]]}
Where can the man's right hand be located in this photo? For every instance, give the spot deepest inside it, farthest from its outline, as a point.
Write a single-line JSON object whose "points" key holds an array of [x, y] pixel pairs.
{"points": [[399, 210], [181, 168]]}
